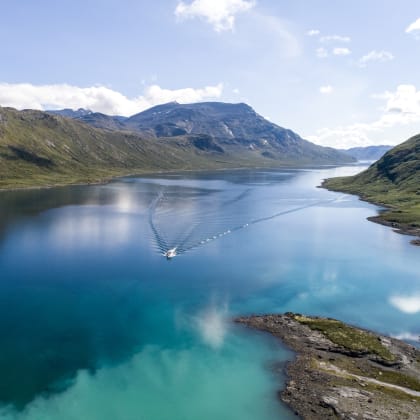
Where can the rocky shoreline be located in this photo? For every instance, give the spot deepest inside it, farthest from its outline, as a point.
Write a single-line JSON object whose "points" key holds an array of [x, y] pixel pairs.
{"points": [[401, 228], [344, 372]]}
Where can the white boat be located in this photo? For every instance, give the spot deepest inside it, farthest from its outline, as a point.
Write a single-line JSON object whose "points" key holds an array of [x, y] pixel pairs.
{"points": [[170, 253]]}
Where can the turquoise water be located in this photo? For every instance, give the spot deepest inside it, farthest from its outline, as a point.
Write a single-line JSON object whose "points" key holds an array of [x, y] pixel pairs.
{"points": [[96, 323]]}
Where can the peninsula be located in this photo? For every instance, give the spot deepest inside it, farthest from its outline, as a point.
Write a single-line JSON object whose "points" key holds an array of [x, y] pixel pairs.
{"points": [[392, 182], [344, 372]]}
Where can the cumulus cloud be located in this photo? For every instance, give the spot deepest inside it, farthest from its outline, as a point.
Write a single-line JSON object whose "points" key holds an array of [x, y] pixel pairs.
{"points": [[98, 98], [313, 32], [401, 108], [335, 38], [326, 90], [219, 13], [376, 56], [413, 27], [404, 103], [407, 304], [341, 51]]}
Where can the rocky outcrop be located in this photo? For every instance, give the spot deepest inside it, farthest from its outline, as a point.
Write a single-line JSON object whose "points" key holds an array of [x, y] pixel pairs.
{"points": [[344, 372]]}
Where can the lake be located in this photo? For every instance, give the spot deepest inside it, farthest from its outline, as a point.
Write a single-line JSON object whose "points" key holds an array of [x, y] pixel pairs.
{"points": [[96, 323]]}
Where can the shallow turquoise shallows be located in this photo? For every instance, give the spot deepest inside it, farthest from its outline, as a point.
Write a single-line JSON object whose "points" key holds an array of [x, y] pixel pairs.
{"points": [[96, 323]]}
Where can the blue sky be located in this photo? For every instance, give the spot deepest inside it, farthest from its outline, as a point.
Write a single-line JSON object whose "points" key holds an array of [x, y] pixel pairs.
{"points": [[339, 73]]}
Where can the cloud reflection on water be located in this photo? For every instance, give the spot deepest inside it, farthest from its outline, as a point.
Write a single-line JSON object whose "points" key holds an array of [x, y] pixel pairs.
{"points": [[407, 304]]}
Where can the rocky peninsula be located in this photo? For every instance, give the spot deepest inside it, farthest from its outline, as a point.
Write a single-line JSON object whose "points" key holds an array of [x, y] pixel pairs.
{"points": [[344, 372]]}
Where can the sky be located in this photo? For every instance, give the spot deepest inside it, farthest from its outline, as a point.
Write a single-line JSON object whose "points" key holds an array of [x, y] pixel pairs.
{"points": [[339, 73]]}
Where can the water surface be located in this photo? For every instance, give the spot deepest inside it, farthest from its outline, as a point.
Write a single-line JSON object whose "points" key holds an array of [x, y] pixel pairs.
{"points": [[96, 323]]}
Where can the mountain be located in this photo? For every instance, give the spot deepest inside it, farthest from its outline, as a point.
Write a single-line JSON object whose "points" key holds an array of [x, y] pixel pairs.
{"points": [[393, 181], [95, 119], [39, 148], [43, 148], [228, 128], [369, 153], [71, 113], [98, 120]]}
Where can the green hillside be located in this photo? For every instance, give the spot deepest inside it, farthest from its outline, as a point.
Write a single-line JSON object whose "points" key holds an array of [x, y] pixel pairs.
{"points": [[39, 149], [393, 181]]}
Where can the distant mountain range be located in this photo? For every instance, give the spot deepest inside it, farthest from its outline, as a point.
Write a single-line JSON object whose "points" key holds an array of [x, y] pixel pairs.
{"points": [[393, 181], [65, 146], [368, 153], [71, 113]]}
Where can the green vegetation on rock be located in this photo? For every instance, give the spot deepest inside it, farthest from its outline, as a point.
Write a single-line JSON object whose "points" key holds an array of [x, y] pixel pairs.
{"points": [[352, 339]]}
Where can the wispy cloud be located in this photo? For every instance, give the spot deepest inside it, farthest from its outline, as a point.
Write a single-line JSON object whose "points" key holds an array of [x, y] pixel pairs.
{"points": [[341, 51], [326, 90], [313, 32], [220, 14], [98, 98], [323, 52], [401, 108], [375, 56], [335, 38]]}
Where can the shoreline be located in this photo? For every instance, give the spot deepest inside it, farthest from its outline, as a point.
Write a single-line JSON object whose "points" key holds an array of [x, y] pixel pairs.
{"points": [[140, 173], [342, 371], [397, 227]]}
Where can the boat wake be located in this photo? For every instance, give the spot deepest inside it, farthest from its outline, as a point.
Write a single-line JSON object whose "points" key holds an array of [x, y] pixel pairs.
{"points": [[184, 228]]}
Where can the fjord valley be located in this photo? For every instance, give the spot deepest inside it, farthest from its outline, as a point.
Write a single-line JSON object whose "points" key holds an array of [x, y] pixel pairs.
{"points": [[367, 153], [186, 196], [98, 321], [393, 182]]}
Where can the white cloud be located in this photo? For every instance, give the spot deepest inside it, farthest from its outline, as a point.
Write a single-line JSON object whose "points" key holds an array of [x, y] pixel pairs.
{"points": [[313, 32], [326, 90], [413, 27], [321, 53], [98, 98], [401, 109], [407, 304], [219, 13], [335, 38], [376, 56], [236, 91], [341, 51]]}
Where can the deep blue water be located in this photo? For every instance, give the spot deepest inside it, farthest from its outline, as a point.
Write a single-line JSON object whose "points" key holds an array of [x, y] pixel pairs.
{"points": [[95, 323]]}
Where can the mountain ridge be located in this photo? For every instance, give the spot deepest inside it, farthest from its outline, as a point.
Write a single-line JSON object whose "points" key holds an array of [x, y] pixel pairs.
{"points": [[229, 125], [44, 148]]}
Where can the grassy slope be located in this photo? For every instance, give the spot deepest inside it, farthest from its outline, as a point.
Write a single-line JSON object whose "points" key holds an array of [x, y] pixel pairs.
{"points": [[393, 181], [40, 149]]}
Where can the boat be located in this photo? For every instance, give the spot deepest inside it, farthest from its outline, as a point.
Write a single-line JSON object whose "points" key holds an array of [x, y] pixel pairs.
{"points": [[170, 253]]}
